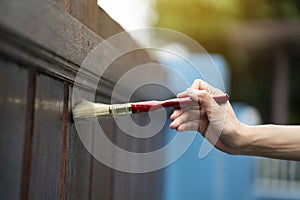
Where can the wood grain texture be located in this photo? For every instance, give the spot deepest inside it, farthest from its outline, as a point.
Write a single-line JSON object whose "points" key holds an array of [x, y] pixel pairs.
{"points": [[103, 176], [58, 32], [57, 164], [65, 123], [102, 181], [28, 134], [13, 100], [94, 17], [78, 167], [138, 186], [47, 139], [78, 164], [146, 185], [49, 26], [61, 4]]}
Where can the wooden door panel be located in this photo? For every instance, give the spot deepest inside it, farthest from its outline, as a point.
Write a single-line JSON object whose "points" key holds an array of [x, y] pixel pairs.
{"points": [[78, 163], [47, 139], [13, 102], [43, 157]]}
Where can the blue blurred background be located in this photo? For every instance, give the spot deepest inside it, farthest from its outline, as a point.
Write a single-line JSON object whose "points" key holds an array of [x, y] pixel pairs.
{"points": [[217, 176]]}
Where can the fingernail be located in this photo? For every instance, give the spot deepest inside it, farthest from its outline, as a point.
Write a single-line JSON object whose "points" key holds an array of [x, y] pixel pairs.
{"points": [[171, 126]]}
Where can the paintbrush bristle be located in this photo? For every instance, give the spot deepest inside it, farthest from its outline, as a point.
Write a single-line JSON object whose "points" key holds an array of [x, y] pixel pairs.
{"points": [[87, 109]]}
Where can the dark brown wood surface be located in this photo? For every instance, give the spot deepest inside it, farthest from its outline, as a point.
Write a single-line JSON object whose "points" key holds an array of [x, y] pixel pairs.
{"points": [[102, 179], [13, 101], [94, 17], [78, 163], [42, 45], [50, 27], [47, 139]]}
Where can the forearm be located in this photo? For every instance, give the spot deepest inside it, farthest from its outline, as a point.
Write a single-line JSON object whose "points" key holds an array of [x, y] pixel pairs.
{"points": [[272, 141]]}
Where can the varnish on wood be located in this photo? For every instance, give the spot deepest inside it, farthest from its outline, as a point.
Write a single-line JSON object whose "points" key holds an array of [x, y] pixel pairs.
{"points": [[42, 45]]}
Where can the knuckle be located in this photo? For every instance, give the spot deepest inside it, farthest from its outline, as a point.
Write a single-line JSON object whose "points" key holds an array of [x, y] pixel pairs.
{"points": [[197, 80], [202, 94]]}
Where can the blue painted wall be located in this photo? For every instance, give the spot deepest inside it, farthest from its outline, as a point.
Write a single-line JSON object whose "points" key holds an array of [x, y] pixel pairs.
{"points": [[217, 176]]}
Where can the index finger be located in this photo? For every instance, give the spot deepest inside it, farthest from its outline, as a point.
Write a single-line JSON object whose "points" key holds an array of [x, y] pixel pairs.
{"points": [[198, 84]]}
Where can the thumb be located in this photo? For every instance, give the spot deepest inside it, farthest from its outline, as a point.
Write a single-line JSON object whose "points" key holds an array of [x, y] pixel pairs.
{"points": [[202, 85]]}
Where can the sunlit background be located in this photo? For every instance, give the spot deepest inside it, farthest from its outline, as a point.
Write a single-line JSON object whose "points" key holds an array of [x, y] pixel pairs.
{"points": [[257, 42]]}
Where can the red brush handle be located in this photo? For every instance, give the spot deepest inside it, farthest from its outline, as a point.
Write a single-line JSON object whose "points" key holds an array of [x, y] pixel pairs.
{"points": [[175, 103]]}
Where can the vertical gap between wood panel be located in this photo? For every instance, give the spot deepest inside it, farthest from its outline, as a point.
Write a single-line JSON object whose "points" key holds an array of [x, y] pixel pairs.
{"points": [[65, 120], [27, 147]]}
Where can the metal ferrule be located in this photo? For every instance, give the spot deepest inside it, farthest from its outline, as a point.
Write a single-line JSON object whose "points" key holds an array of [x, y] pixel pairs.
{"points": [[120, 109]]}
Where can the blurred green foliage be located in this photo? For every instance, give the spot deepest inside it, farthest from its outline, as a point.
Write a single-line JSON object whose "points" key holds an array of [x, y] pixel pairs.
{"points": [[207, 21]]}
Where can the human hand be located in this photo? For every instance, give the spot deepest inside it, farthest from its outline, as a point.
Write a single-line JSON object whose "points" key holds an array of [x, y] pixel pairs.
{"points": [[217, 123]]}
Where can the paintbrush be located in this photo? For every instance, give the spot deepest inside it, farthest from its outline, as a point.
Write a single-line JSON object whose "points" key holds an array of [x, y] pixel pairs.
{"points": [[87, 109]]}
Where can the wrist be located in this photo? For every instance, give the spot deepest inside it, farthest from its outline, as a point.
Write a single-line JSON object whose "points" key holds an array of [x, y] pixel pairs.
{"points": [[245, 138], [251, 140]]}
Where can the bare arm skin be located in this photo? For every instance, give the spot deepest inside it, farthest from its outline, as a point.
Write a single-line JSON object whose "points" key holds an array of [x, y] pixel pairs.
{"points": [[273, 141], [219, 125]]}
